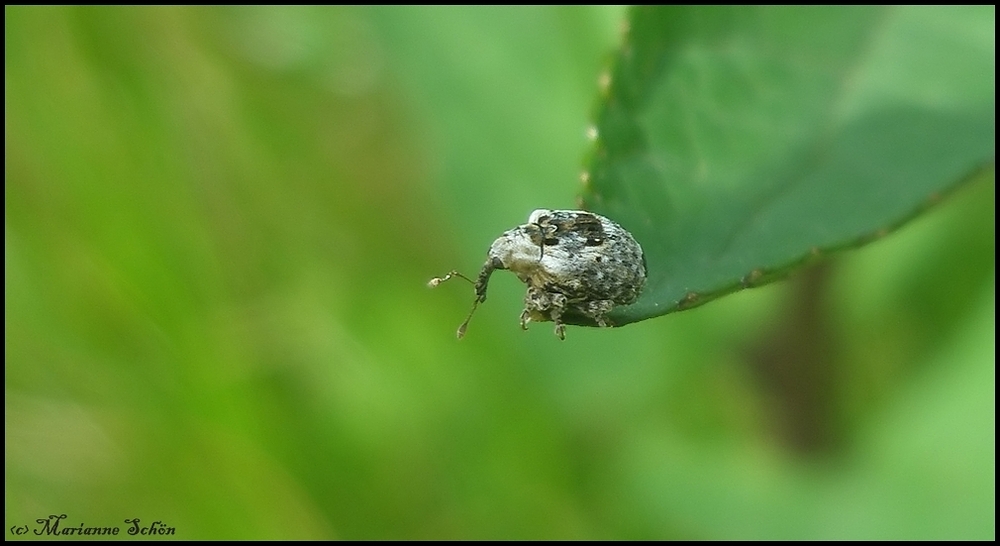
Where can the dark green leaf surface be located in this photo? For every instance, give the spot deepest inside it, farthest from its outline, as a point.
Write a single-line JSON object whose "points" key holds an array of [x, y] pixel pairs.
{"points": [[737, 143]]}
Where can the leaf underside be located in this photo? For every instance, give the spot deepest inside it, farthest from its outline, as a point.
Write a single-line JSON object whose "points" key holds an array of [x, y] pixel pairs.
{"points": [[739, 143]]}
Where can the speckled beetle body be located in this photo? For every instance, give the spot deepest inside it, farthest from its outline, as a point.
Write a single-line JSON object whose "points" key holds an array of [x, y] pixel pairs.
{"points": [[578, 266]]}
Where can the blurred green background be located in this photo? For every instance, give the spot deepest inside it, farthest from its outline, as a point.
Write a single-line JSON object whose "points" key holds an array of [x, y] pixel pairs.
{"points": [[219, 223]]}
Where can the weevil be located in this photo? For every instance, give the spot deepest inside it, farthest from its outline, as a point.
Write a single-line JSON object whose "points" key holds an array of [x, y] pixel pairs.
{"points": [[578, 266]]}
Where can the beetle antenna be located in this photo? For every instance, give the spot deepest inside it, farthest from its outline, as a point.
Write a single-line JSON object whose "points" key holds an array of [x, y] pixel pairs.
{"points": [[465, 323], [438, 280], [479, 297]]}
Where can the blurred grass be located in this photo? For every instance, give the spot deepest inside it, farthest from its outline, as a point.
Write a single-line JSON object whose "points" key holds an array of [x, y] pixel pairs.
{"points": [[218, 226]]}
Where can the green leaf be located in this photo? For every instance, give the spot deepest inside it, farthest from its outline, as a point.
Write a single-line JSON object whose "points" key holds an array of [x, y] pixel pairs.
{"points": [[739, 143]]}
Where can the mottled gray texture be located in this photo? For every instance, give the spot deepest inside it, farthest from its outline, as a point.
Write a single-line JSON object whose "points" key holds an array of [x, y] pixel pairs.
{"points": [[578, 266]]}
